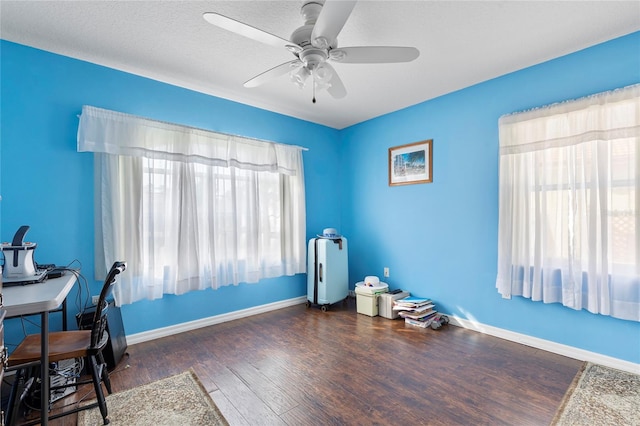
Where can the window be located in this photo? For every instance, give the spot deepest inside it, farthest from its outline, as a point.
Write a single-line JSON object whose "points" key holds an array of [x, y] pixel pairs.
{"points": [[569, 215], [228, 208], [223, 211]]}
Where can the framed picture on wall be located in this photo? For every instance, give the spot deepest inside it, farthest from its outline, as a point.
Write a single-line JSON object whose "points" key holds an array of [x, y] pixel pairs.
{"points": [[411, 163]]}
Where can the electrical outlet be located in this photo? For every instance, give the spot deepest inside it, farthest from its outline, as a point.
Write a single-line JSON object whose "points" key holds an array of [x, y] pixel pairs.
{"points": [[386, 272], [95, 299]]}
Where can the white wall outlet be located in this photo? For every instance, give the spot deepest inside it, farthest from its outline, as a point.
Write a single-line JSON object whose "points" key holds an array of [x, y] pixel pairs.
{"points": [[386, 272], [95, 299]]}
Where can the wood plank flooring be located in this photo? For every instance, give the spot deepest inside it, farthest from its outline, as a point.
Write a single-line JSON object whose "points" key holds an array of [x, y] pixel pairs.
{"points": [[302, 366]]}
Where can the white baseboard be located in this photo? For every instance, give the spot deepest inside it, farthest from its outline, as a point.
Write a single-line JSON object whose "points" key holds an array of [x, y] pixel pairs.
{"points": [[547, 345], [524, 339], [145, 336]]}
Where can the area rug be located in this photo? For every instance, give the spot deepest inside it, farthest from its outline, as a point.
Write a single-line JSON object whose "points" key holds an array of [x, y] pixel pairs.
{"points": [[600, 396], [175, 400]]}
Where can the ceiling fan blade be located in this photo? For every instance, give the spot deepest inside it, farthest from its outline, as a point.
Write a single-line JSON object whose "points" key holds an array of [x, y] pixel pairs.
{"points": [[336, 88], [374, 54], [333, 16], [247, 30], [272, 73]]}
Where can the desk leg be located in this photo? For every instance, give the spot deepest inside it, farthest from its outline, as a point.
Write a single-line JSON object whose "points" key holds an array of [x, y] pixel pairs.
{"points": [[64, 314], [44, 370]]}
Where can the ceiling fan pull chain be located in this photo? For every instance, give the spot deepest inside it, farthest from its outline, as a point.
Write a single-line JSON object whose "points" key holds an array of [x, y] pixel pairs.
{"points": [[314, 92]]}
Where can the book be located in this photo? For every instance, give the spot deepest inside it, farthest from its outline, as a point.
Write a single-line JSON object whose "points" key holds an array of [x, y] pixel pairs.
{"points": [[397, 307], [420, 316], [411, 303], [416, 323], [414, 300], [422, 322]]}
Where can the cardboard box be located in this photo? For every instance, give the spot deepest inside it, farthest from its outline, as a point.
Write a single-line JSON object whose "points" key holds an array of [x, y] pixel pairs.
{"points": [[385, 304]]}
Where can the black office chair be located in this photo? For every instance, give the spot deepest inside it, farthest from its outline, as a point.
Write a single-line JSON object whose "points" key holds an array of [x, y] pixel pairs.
{"points": [[64, 345]]}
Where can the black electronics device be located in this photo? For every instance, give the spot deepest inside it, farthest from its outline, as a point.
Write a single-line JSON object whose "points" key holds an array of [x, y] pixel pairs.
{"points": [[55, 273], [117, 343]]}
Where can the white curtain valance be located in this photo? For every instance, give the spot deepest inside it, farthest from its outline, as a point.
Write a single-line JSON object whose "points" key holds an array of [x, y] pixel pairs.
{"points": [[604, 116], [113, 132]]}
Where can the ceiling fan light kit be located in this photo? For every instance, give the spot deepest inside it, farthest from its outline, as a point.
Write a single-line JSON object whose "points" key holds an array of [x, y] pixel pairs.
{"points": [[314, 44]]}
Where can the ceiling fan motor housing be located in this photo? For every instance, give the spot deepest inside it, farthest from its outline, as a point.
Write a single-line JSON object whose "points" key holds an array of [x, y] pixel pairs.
{"points": [[302, 35], [311, 56]]}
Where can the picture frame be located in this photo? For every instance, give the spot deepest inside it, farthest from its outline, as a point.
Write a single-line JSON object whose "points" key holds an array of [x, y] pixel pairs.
{"points": [[411, 163]]}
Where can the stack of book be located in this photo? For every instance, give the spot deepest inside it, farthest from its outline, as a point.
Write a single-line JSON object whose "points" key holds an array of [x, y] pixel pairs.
{"points": [[416, 311]]}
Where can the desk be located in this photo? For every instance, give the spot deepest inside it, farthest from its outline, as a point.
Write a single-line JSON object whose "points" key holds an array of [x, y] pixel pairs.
{"points": [[40, 299]]}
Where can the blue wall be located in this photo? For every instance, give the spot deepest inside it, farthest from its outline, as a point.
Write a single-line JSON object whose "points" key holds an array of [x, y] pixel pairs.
{"points": [[47, 185], [439, 240]]}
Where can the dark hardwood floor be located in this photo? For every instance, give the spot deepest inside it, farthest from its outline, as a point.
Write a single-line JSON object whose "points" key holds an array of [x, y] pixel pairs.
{"points": [[301, 366]]}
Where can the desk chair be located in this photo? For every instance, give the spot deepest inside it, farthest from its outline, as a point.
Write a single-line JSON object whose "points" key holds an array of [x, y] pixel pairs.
{"points": [[65, 345]]}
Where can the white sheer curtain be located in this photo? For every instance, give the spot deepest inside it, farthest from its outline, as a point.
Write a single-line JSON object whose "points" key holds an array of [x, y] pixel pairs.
{"points": [[190, 209], [569, 213]]}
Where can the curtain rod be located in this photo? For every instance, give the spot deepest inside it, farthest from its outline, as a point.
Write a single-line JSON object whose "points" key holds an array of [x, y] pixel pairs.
{"points": [[573, 101], [201, 130]]}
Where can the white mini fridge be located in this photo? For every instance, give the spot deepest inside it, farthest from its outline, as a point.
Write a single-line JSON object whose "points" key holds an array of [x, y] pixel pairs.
{"points": [[327, 271]]}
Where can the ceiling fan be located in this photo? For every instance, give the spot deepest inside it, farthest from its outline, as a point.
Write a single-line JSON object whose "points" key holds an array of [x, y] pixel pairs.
{"points": [[315, 44]]}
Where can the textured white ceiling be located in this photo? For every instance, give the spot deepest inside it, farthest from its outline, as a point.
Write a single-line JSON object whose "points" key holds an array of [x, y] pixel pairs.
{"points": [[461, 43]]}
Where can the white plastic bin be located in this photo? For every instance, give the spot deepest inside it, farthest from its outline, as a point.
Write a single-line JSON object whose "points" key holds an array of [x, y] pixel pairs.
{"points": [[367, 299]]}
